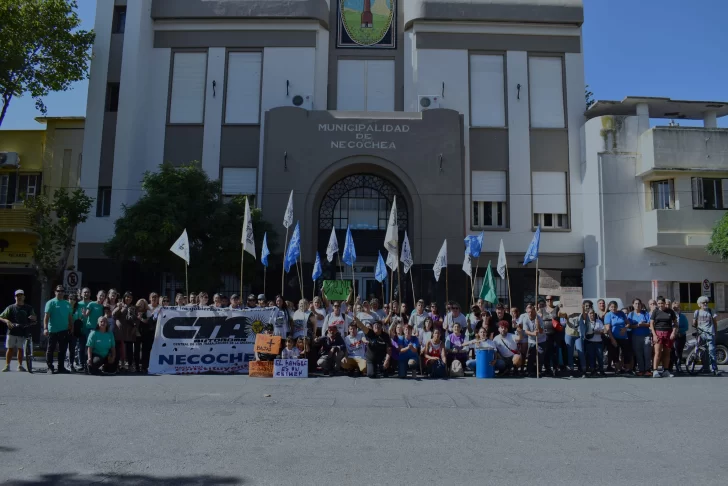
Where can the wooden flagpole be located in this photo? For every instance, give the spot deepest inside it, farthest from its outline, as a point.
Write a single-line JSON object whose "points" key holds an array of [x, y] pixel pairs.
{"points": [[391, 283], [187, 282], [300, 282], [477, 263], [399, 279], [242, 259], [538, 366], [265, 270], [510, 301], [447, 292], [414, 299], [283, 268]]}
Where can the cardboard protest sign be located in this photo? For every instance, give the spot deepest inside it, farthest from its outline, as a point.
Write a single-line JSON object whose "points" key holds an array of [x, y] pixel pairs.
{"points": [[267, 344], [290, 368], [549, 282], [260, 369], [337, 289], [570, 300]]}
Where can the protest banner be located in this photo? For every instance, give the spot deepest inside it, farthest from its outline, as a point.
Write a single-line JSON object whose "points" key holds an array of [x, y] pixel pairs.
{"points": [[191, 340], [267, 344], [290, 368], [337, 289], [261, 369], [570, 300], [549, 282]]}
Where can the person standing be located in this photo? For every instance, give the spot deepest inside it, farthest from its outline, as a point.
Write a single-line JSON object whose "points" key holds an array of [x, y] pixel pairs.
{"points": [[616, 325], [532, 325], [663, 324], [17, 317], [548, 313], [454, 317], [336, 318], [149, 329], [417, 318], [591, 329], [704, 320], [639, 323], [57, 325], [682, 331]]}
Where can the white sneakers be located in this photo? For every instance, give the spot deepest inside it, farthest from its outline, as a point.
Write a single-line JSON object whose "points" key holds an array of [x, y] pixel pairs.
{"points": [[666, 374], [656, 374], [661, 374]]}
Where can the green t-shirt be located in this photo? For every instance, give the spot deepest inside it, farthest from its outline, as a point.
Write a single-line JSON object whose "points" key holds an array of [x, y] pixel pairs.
{"points": [[58, 310], [90, 322], [101, 343]]}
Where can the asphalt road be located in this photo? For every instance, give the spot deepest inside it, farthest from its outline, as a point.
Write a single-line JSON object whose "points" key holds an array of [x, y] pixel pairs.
{"points": [[223, 430]]}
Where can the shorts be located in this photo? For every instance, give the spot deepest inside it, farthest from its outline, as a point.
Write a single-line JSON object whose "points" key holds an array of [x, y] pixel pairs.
{"points": [[14, 342], [663, 337]]}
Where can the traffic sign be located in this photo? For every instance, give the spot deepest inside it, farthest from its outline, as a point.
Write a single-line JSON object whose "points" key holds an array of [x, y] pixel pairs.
{"points": [[706, 289], [72, 281]]}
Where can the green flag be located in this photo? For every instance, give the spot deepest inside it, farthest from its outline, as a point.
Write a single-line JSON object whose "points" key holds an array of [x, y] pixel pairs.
{"points": [[487, 292]]}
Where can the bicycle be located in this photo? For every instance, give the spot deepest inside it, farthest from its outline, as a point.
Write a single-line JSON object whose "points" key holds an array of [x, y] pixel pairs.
{"points": [[699, 352], [28, 346]]}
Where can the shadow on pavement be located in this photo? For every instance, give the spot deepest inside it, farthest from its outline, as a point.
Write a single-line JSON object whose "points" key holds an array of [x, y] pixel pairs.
{"points": [[125, 480]]}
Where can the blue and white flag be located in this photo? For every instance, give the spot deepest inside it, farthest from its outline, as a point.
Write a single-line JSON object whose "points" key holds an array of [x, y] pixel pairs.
{"points": [[380, 272], [441, 261], [532, 252], [406, 257], [333, 247], [247, 239], [181, 247], [349, 250], [294, 249], [264, 252], [288, 216], [475, 244], [317, 272]]}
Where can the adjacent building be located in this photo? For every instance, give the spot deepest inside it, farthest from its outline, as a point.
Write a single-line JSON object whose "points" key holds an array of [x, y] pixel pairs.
{"points": [[651, 196], [468, 112]]}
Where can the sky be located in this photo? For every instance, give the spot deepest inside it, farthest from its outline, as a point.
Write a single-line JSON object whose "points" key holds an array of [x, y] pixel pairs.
{"points": [[669, 48]]}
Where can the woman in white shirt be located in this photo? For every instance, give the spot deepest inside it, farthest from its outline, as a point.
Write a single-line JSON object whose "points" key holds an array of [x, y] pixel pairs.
{"points": [[591, 329]]}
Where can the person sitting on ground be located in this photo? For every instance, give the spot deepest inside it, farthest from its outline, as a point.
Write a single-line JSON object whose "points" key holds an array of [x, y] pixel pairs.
{"points": [[508, 355], [291, 351], [354, 359], [481, 341], [302, 345], [331, 352], [409, 356], [379, 347], [435, 357], [101, 348], [455, 344], [268, 331]]}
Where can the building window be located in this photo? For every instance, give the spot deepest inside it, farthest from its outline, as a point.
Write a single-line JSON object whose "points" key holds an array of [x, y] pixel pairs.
{"points": [[710, 193], [103, 202], [549, 200], [238, 181], [28, 187], [489, 199], [187, 102], [119, 20], [365, 85], [546, 92], [487, 92], [4, 189], [242, 96], [663, 194], [112, 97]]}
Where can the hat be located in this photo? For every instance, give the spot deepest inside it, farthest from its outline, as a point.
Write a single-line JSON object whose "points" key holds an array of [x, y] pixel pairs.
{"points": [[19, 292], [250, 296], [235, 296], [261, 296]]}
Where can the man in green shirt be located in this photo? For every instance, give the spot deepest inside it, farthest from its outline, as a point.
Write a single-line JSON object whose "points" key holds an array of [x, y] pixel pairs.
{"points": [[57, 325], [89, 313]]}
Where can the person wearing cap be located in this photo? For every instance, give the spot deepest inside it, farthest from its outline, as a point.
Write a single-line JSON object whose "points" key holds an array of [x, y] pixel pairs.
{"points": [[251, 303], [17, 317], [332, 350], [262, 301], [235, 302], [57, 325]]}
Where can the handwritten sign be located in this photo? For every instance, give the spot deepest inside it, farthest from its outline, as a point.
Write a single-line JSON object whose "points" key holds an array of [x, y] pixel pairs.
{"points": [[267, 344], [549, 282], [571, 300], [290, 368], [337, 289], [260, 369]]}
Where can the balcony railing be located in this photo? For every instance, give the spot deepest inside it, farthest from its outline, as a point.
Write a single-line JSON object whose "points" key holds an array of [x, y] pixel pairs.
{"points": [[683, 148], [16, 219]]}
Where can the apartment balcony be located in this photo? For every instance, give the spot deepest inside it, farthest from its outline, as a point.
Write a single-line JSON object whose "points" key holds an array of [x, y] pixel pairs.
{"points": [[683, 148], [15, 220], [685, 228]]}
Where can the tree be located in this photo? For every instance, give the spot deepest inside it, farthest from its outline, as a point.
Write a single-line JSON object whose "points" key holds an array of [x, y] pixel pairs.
{"points": [[55, 221], [589, 96], [719, 240], [41, 49], [179, 198]]}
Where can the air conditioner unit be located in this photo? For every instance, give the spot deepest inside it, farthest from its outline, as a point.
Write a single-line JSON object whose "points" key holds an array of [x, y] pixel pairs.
{"points": [[9, 159], [428, 102], [302, 101]]}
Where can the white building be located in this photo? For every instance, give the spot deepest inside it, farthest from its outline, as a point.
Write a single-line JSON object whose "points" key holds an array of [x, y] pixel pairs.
{"points": [[651, 196]]}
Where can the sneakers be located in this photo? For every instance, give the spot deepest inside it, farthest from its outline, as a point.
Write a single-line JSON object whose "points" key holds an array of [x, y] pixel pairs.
{"points": [[717, 373], [656, 374], [666, 374], [6, 369], [21, 368], [63, 371]]}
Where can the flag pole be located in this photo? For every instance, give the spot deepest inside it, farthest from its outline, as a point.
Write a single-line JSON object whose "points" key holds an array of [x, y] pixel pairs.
{"points": [[283, 268], [477, 263], [265, 270], [187, 285], [447, 292], [414, 299], [298, 271], [300, 279], [391, 284], [399, 278], [538, 366], [242, 259], [508, 277], [341, 268]]}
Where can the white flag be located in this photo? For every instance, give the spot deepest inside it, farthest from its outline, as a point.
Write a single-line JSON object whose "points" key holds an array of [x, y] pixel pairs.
{"points": [[406, 257], [247, 240], [441, 261], [391, 239], [468, 264], [288, 217], [181, 247], [392, 261], [502, 261], [333, 247]]}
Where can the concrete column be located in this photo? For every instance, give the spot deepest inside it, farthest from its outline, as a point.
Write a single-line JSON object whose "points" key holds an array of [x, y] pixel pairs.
{"points": [[710, 120], [643, 117]]}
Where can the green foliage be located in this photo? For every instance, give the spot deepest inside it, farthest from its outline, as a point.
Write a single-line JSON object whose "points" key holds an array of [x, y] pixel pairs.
{"points": [[179, 198], [41, 49], [55, 222], [589, 96], [719, 240]]}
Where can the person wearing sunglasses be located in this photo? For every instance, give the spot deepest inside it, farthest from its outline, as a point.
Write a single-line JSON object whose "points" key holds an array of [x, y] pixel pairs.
{"points": [[57, 326]]}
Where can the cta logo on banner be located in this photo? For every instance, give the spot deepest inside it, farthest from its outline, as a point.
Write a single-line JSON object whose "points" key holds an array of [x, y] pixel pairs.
{"points": [[191, 340]]}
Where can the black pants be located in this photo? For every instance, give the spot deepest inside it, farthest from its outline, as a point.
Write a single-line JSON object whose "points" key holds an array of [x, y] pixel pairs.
{"points": [[57, 339], [374, 364], [71, 349], [543, 361], [96, 363], [550, 352], [133, 352], [147, 340], [677, 350]]}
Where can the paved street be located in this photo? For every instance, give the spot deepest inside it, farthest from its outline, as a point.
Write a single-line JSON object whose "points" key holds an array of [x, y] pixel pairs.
{"points": [[220, 430]]}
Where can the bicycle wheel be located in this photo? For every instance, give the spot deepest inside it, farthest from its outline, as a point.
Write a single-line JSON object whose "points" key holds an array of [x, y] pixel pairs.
{"points": [[29, 354], [690, 364]]}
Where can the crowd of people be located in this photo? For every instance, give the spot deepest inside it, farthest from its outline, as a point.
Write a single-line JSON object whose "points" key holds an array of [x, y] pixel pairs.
{"points": [[115, 333]]}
